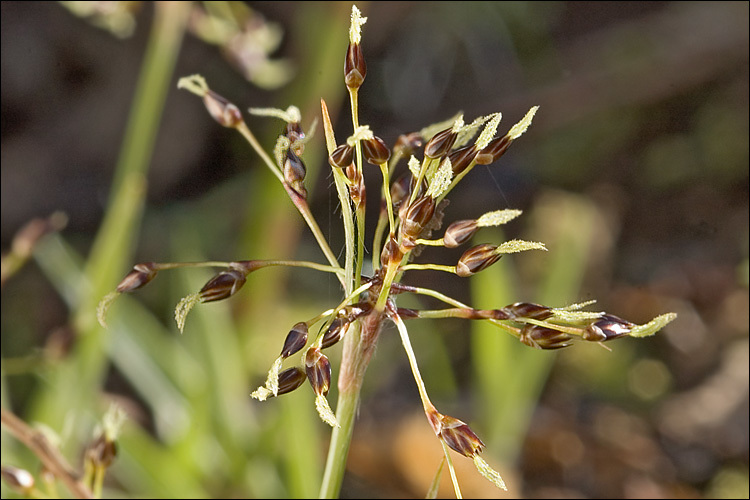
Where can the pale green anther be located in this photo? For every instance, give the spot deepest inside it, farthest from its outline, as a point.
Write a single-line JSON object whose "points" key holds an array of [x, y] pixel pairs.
{"points": [[488, 472], [362, 133], [184, 307], [515, 246], [468, 131], [112, 422], [355, 30], [458, 124], [414, 166], [575, 317], [441, 179], [497, 217], [652, 326], [325, 412], [193, 83], [489, 131], [279, 151], [575, 307], [519, 128], [103, 307], [291, 114]]}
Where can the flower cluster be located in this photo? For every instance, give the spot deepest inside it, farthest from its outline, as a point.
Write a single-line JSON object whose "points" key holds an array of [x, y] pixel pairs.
{"points": [[411, 210]]}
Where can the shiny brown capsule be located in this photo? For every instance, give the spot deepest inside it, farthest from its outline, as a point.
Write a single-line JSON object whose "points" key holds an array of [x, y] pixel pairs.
{"points": [[295, 340], [459, 232], [342, 156], [140, 276], [476, 259], [375, 151], [440, 144], [223, 285], [221, 110]]}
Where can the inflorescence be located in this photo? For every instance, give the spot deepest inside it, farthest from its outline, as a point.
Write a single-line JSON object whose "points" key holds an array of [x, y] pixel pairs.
{"points": [[411, 208]]}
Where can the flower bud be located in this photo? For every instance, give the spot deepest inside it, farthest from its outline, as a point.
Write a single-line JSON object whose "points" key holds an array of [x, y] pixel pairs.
{"points": [[477, 258], [223, 285], [140, 275], [221, 110], [290, 379], [355, 68], [417, 216], [541, 337], [529, 310], [462, 158], [294, 168], [607, 327], [295, 340], [375, 151], [20, 480], [318, 370], [342, 156], [494, 150], [440, 144], [459, 232], [101, 452]]}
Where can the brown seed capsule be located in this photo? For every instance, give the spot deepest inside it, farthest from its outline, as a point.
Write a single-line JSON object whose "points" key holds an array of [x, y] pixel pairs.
{"points": [[417, 216], [541, 337], [529, 310], [221, 110], [375, 151], [462, 158], [223, 285], [335, 332], [493, 151], [295, 340], [342, 156], [477, 258], [355, 68], [406, 144], [440, 144], [400, 189], [101, 452], [140, 275], [391, 252], [20, 480], [607, 327], [458, 435], [318, 370], [290, 379], [459, 232], [294, 167]]}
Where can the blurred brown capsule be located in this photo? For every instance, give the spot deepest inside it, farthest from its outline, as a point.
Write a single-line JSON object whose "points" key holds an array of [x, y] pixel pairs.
{"points": [[493, 151], [541, 337], [342, 156], [101, 452], [355, 68], [375, 151], [391, 252], [607, 327], [294, 167], [290, 379], [406, 144], [440, 144], [295, 133], [20, 480], [456, 434], [529, 310], [221, 110], [295, 340], [140, 275], [318, 370], [417, 216], [335, 332], [459, 233], [477, 258], [400, 189], [462, 158], [223, 285]]}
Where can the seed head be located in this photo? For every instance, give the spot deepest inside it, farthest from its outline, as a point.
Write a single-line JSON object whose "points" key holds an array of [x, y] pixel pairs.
{"points": [[223, 285], [459, 232], [417, 216], [440, 144], [542, 337], [221, 110], [318, 370], [140, 275], [477, 258], [607, 327], [295, 340], [290, 379], [375, 151], [529, 310], [335, 332], [342, 156]]}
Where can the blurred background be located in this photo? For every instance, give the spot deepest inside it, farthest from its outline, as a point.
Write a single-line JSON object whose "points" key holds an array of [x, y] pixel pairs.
{"points": [[634, 174]]}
